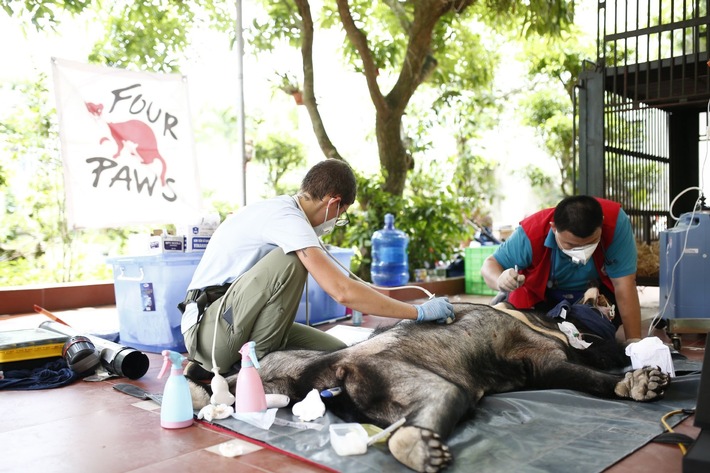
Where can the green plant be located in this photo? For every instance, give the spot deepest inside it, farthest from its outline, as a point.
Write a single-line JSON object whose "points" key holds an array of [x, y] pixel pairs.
{"points": [[287, 82], [280, 155], [432, 215]]}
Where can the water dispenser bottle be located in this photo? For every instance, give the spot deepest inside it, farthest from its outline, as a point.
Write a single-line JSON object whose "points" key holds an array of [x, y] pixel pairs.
{"points": [[390, 263]]}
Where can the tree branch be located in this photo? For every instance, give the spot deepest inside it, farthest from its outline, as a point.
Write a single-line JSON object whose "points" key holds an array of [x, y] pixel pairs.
{"points": [[309, 98], [359, 41], [401, 15], [418, 60]]}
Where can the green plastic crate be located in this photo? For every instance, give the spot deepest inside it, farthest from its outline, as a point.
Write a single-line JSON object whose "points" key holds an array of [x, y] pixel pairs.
{"points": [[473, 261]]}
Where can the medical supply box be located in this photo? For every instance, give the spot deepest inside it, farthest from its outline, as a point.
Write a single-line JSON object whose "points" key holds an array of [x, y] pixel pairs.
{"points": [[685, 267], [196, 236], [321, 307], [473, 262], [165, 243], [148, 290]]}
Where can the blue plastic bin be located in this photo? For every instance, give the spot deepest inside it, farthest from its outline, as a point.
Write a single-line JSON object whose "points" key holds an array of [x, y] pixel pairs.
{"points": [[322, 307], [148, 290]]}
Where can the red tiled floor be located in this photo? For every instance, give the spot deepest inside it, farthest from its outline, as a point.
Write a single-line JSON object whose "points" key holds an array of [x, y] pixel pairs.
{"points": [[92, 427]]}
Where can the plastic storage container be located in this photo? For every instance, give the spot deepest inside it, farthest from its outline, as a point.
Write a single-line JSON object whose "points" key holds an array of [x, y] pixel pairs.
{"points": [[390, 262], [148, 290], [473, 262], [685, 291], [323, 308], [348, 439]]}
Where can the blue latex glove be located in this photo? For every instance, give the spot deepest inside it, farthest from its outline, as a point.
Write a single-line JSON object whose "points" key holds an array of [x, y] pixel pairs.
{"points": [[437, 309]]}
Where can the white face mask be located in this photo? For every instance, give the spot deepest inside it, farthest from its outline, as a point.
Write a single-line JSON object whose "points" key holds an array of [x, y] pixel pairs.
{"points": [[581, 254], [328, 225]]}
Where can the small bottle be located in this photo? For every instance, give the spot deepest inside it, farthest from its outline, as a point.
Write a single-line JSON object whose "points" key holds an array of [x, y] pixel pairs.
{"points": [[176, 408], [249, 392], [390, 262], [357, 318]]}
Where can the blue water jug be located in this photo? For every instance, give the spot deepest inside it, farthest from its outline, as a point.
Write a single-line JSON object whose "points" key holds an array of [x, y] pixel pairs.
{"points": [[390, 263]]}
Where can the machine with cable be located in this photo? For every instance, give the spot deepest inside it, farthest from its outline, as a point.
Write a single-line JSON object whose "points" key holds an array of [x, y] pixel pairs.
{"points": [[684, 274], [685, 305]]}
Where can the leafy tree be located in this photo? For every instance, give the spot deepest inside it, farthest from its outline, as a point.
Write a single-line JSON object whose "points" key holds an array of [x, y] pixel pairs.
{"points": [[397, 46], [407, 39], [151, 35], [43, 14], [37, 245], [554, 70], [432, 214], [280, 156]]}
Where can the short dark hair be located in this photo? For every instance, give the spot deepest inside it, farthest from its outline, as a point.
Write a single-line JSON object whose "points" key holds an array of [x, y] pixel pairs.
{"points": [[332, 177], [579, 214]]}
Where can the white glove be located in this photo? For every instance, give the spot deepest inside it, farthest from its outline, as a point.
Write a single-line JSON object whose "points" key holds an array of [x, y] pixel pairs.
{"points": [[509, 280]]}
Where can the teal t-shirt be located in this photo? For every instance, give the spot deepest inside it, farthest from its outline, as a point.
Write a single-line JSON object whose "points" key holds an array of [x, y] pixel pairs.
{"points": [[619, 257]]}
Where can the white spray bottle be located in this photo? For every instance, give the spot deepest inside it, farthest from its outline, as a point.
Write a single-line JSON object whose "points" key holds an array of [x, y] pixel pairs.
{"points": [[250, 391], [176, 408]]}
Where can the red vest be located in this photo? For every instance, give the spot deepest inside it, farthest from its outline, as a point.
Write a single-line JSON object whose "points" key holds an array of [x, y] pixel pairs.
{"points": [[537, 227]]}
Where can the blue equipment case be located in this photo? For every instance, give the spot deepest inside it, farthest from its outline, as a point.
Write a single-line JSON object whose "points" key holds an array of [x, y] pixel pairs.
{"points": [[684, 276], [687, 289]]}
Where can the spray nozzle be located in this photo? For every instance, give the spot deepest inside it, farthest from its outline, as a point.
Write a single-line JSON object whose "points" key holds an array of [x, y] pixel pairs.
{"points": [[249, 355], [170, 358]]}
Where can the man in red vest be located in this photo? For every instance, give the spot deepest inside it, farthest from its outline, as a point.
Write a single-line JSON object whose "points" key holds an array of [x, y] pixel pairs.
{"points": [[556, 254]]}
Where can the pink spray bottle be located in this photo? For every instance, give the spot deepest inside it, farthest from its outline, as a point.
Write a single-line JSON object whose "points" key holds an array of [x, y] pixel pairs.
{"points": [[176, 408], [250, 391]]}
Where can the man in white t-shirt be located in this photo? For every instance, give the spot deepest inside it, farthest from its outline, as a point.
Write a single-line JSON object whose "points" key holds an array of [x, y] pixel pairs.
{"points": [[258, 260]]}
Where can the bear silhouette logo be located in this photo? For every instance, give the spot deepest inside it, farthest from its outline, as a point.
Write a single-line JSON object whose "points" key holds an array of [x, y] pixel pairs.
{"points": [[133, 131]]}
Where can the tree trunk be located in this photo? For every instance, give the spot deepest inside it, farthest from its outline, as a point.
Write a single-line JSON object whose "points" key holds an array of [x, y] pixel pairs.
{"points": [[309, 97], [394, 158]]}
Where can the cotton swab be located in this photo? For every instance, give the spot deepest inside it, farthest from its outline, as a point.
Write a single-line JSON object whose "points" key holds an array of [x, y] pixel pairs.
{"points": [[385, 432]]}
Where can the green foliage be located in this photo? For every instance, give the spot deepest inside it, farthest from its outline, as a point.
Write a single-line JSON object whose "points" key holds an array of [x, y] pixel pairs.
{"points": [[386, 31], [148, 34], [43, 14], [532, 18], [554, 68], [280, 24], [152, 35], [287, 82], [432, 214], [542, 183], [280, 156], [36, 243], [634, 182], [434, 218], [366, 216], [550, 115]]}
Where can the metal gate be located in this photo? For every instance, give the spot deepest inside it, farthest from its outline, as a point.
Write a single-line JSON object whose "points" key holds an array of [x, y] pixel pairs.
{"points": [[636, 155], [639, 108]]}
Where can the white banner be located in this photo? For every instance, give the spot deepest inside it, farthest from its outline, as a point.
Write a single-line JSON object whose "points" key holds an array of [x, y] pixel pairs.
{"points": [[127, 146]]}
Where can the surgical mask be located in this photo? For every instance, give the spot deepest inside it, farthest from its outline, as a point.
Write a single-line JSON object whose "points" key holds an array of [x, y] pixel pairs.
{"points": [[328, 225], [581, 254]]}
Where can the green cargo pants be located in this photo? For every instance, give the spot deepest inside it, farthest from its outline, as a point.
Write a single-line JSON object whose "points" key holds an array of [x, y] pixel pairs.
{"points": [[260, 307]]}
